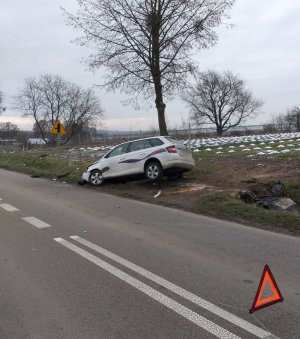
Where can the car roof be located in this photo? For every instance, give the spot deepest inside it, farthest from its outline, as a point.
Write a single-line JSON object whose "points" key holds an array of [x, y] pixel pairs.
{"points": [[127, 142]]}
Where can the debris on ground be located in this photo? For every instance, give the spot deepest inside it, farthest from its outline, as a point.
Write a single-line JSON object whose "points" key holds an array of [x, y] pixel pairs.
{"points": [[248, 197], [278, 204], [157, 194], [267, 196]]}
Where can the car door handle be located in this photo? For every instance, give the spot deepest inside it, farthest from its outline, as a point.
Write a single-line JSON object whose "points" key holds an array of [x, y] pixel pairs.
{"points": [[143, 154], [122, 159]]}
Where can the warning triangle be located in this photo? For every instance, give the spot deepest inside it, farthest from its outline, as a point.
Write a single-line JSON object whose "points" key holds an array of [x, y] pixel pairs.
{"points": [[267, 281]]}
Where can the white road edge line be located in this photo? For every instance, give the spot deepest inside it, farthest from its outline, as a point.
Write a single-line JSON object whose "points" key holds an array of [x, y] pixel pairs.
{"points": [[36, 222], [259, 332], [185, 312], [9, 208]]}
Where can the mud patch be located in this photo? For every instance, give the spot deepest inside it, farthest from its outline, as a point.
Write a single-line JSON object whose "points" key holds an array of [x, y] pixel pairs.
{"points": [[191, 188]]}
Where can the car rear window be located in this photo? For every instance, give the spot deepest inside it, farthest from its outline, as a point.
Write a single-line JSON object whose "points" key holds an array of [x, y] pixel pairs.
{"points": [[156, 142], [173, 140], [140, 145]]}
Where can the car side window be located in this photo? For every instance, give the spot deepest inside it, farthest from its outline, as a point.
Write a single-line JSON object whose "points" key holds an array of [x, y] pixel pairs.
{"points": [[118, 151], [156, 142], [140, 145]]}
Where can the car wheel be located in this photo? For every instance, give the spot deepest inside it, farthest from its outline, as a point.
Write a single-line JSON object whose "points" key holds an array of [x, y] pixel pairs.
{"points": [[96, 178], [153, 171]]}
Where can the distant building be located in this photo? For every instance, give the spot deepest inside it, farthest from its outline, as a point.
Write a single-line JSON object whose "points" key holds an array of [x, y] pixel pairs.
{"points": [[36, 141]]}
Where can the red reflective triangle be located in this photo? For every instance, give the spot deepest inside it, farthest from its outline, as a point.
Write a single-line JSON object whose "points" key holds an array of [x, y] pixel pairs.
{"points": [[267, 277]]}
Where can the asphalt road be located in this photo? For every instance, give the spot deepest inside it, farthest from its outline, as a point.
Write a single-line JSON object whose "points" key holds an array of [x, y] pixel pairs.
{"points": [[77, 263]]}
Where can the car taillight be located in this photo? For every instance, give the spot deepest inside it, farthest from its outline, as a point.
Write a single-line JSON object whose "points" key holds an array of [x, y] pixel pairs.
{"points": [[172, 149]]}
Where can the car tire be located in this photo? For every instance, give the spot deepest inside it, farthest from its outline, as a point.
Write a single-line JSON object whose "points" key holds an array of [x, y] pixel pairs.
{"points": [[153, 171], [96, 178]]}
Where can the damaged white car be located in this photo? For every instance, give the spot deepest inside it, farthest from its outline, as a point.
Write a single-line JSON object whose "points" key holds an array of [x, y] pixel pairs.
{"points": [[150, 157]]}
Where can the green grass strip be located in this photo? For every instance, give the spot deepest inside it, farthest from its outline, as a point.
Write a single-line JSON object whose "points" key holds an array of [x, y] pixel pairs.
{"points": [[43, 166], [224, 206]]}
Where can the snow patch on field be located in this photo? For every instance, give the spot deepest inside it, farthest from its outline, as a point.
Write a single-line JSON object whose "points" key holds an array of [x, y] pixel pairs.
{"points": [[254, 144]]}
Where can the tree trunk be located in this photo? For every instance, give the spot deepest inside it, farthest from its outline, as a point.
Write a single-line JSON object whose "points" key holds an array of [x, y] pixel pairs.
{"points": [[156, 72], [160, 106], [219, 131], [298, 121]]}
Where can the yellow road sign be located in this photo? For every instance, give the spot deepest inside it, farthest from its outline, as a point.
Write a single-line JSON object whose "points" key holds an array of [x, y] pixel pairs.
{"points": [[58, 128]]}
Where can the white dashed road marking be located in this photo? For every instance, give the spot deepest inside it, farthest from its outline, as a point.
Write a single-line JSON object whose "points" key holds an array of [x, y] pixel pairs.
{"points": [[259, 332], [185, 312], [9, 208], [36, 222]]}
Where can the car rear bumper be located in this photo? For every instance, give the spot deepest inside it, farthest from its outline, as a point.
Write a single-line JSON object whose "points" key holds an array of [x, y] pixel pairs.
{"points": [[180, 165]]}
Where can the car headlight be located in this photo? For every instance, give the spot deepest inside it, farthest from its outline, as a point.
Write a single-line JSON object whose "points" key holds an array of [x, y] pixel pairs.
{"points": [[94, 163]]}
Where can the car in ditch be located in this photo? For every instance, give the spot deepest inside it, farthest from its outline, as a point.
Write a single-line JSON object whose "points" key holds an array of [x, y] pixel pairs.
{"points": [[149, 157]]}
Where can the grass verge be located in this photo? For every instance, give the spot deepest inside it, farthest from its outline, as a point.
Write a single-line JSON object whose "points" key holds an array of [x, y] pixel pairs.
{"points": [[42, 165], [222, 205], [292, 190]]}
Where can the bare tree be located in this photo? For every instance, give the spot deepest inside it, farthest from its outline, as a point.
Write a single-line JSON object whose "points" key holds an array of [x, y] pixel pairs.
{"points": [[221, 100], [293, 118], [2, 108], [146, 44], [8, 130], [29, 100], [289, 121], [50, 97], [42, 128], [279, 123]]}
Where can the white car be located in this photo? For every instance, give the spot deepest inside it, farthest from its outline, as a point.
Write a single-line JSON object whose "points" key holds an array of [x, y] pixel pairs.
{"points": [[151, 157]]}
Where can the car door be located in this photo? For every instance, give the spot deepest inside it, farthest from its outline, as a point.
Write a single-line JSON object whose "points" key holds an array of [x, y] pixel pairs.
{"points": [[114, 164], [137, 152]]}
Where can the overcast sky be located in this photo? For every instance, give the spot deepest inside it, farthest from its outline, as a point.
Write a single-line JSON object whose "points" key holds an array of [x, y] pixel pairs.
{"points": [[263, 48]]}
